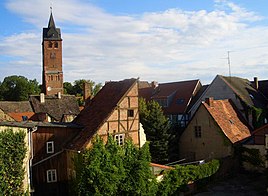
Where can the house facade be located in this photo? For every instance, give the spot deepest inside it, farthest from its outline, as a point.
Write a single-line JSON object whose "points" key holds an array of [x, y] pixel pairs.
{"points": [[213, 131], [243, 94]]}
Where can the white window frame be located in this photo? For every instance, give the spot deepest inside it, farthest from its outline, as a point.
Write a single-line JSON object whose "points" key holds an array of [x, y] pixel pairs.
{"points": [[120, 139], [51, 175], [48, 147]]}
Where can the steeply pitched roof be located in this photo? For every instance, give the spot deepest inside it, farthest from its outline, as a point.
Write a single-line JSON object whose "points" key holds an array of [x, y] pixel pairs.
{"points": [[263, 87], [228, 119], [99, 109], [16, 106], [54, 106], [51, 32], [180, 94], [244, 90]]}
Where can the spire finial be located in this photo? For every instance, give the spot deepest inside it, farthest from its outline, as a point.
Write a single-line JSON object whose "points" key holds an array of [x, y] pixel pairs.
{"points": [[50, 7]]}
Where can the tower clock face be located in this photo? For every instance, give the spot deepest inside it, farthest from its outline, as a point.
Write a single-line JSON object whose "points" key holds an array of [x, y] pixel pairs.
{"points": [[48, 88]]}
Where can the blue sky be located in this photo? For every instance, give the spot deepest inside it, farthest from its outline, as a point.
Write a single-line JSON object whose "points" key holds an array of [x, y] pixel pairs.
{"points": [[171, 40]]}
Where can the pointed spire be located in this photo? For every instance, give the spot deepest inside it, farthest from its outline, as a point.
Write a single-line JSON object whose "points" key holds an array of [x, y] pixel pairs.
{"points": [[51, 23]]}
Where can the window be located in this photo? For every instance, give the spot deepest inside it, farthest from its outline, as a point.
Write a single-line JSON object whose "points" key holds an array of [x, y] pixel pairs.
{"points": [[162, 102], [52, 55], [51, 175], [120, 139], [56, 45], [130, 113], [50, 147], [180, 101], [197, 131], [50, 44]]}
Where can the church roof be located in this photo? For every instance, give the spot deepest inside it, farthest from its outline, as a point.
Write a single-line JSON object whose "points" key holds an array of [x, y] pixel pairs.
{"points": [[51, 32]]}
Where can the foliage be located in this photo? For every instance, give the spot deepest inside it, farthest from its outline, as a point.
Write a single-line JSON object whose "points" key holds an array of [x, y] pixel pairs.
{"points": [[12, 154], [252, 156], [77, 87], [259, 115], [176, 180], [109, 169], [18, 88], [156, 127]]}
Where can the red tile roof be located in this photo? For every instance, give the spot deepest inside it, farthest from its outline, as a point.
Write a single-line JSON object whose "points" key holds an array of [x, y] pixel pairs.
{"points": [[228, 119], [18, 116], [99, 109], [177, 91]]}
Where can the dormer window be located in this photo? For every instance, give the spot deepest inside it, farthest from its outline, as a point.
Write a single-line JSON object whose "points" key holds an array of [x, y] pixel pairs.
{"points": [[50, 147], [130, 113]]}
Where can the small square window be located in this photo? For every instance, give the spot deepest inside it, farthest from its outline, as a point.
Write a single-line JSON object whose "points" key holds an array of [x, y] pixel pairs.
{"points": [[197, 131], [130, 113], [51, 175], [120, 139], [50, 147]]}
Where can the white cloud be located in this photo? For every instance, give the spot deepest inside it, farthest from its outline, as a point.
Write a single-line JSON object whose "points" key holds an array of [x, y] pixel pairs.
{"points": [[171, 45]]}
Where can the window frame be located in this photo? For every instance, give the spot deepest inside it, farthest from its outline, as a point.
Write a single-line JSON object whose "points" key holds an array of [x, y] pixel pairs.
{"points": [[120, 139], [130, 113], [48, 147], [51, 175]]}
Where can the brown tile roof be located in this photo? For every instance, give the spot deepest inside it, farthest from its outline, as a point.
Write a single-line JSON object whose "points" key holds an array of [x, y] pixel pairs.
{"points": [[228, 119], [99, 109], [245, 91], [54, 106], [16, 106], [177, 91]]}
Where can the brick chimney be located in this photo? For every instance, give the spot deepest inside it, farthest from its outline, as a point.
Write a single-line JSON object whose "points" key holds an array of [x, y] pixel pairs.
{"points": [[256, 83], [87, 91], [42, 98], [209, 101]]}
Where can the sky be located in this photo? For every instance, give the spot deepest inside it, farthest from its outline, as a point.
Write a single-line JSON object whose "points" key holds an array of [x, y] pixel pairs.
{"points": [[154, 40]]}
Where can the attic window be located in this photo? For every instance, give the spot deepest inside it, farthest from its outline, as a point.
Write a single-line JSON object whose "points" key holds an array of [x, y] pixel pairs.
{"points": [[180, 101], [197, 131], [24, 118], [50, 147], [130, 113]]}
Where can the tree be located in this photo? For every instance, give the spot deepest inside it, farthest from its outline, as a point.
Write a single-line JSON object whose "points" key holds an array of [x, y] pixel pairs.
{"points": [[12, 154], [109, 169], [18, 88], [156, 127]]}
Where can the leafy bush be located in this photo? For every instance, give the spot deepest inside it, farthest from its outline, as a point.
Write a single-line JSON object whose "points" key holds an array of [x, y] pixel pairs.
{"points": [[12, 154]]}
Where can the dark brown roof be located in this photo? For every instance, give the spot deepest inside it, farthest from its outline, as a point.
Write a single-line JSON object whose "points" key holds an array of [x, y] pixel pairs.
{"points": [[99, 109], [245, 91], [263, 87], [15, 106], [228, 119], [180, 94], [54, 106]]}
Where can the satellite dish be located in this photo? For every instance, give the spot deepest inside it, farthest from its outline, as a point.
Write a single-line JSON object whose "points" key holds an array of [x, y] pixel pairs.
{"points": [[49, 88]]}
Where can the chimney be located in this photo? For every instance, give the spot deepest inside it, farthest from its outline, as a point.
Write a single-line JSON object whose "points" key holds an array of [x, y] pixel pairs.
{"points": [[154, 84], [209, 101], [59, 95], [42, 98], [87, 91], [256, 83]]}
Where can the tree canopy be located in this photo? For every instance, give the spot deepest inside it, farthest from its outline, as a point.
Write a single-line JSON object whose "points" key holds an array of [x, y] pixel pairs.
{"points": [[18, 88], [156, 127], [110, 169]]}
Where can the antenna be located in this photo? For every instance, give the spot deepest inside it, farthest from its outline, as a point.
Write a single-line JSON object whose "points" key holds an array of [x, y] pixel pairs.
{"points": [[229, 62]]}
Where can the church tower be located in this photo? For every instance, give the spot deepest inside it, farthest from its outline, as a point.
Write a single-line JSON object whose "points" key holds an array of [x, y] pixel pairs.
{"points": [[52, 59]]}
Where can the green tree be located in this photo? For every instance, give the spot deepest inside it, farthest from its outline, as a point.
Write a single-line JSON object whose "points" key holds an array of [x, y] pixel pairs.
{"points": [[109, 169], [156, 127], [18, 88], [12, 154]]}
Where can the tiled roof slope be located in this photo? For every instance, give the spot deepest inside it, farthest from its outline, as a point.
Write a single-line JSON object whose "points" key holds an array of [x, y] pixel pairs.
{"points": [[99, 109], [54, 106], [183, 90], [228, 119], [15, 106], [18, 116], [244, 90]]}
